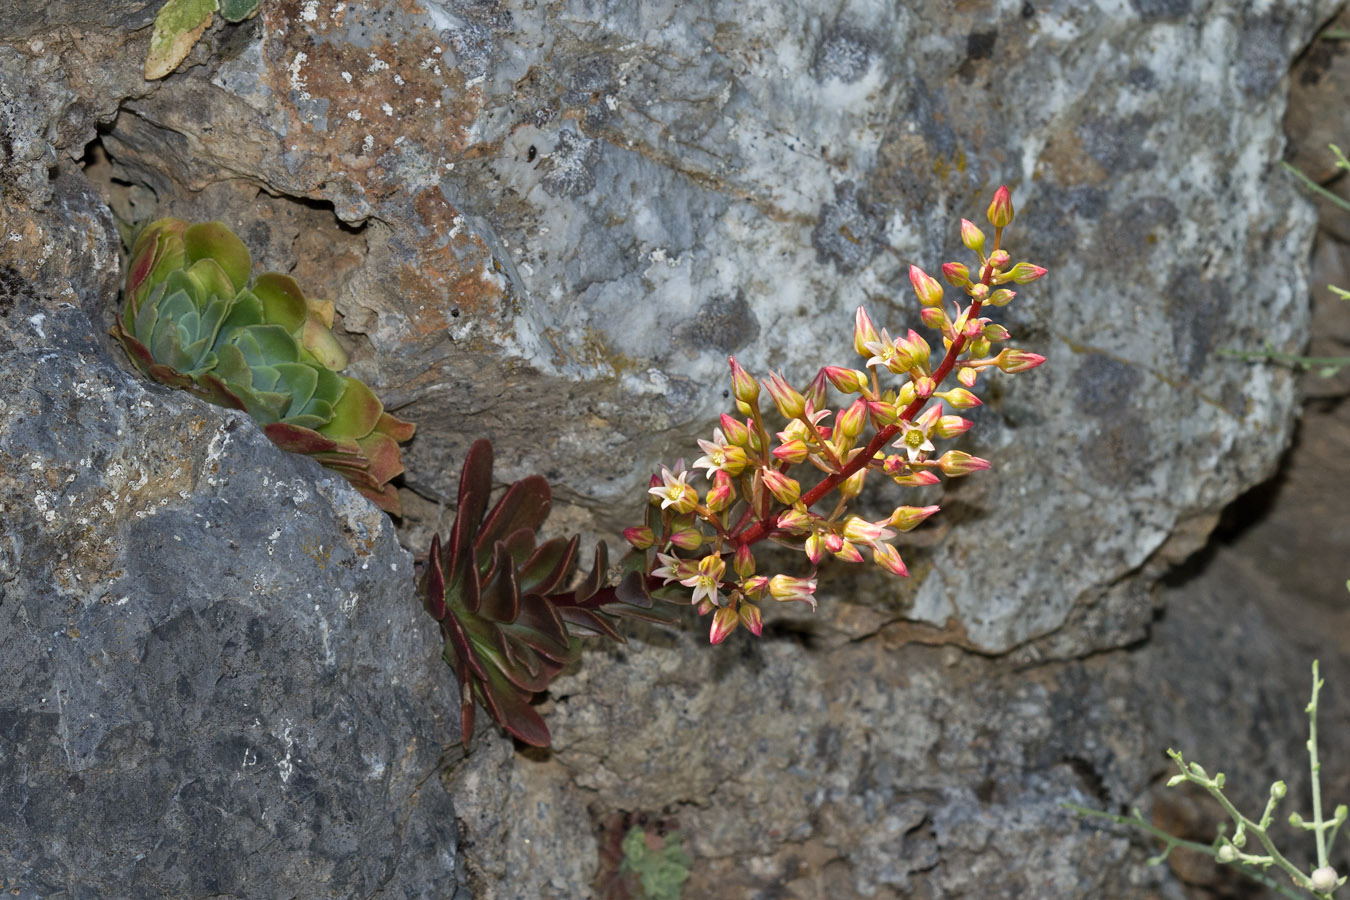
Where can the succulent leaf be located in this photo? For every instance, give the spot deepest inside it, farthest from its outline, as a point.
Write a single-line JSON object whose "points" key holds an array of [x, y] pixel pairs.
{"points": [[508, 632], [194, 323], [177, 27]]}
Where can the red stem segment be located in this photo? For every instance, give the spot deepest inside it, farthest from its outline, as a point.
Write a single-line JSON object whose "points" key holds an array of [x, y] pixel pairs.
{"points": [[761, 530]]}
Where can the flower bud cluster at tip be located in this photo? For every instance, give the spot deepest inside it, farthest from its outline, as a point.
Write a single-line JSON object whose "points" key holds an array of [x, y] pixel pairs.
{"points": [[894, 411]]}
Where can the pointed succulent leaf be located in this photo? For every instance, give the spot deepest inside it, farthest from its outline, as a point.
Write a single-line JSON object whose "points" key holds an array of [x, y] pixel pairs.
{"points": [[512, 710], [433, 581], [395, 427], [540, 626], [212, 240], [318, 341], [355, 412], [546, 568], [525, 506], [158, 250], [589, 620], [282, 300], [385, 459], [475, 485], [501, 593], [177, 27]]}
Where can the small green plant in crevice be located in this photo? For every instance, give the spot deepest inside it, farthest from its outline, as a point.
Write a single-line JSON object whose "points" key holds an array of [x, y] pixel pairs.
{"points": [[1257, 860], [641, 858], [660, 864], [1326, 366], [191, 319], [181, 23]]}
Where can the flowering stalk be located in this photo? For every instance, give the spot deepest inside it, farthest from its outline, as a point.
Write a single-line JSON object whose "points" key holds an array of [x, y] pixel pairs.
{"points": [[756, 491]]}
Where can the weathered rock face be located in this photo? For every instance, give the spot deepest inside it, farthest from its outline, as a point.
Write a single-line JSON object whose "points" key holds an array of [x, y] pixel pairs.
{"points": [[572, 214], [548, 225], [214, 677]]}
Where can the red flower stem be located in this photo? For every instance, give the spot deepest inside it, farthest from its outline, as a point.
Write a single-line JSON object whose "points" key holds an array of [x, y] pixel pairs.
{"points": [[761, 529]]}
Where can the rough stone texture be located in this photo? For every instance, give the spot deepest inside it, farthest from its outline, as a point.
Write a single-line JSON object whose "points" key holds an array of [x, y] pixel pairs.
{"points": [[571, 213], [213, 674], [557, 220]]}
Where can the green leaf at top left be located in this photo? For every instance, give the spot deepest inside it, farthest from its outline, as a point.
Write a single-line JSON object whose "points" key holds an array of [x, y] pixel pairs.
{"points": [[177, 27]]}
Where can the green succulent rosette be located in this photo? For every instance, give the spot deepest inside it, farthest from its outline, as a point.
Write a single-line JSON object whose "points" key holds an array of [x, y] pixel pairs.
{"points": [[191, 320]]}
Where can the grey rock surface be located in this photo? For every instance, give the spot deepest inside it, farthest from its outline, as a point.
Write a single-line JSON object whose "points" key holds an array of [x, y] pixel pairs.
{"points": [[570, 214], [548, 225], [215, 680]]}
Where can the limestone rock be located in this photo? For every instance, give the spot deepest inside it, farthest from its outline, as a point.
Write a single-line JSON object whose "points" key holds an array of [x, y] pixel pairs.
{"points": [[215, 679], [571, 215]]}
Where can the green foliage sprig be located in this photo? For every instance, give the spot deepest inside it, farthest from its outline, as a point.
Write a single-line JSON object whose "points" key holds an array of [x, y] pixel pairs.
{"points": [[1326, 366], [1320, 883], [190, 319], [660, 864], [181, 23]]}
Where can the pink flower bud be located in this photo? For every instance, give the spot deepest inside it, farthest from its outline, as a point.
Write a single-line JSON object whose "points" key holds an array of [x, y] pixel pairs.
{"points": [[724, 623], [966, 375], [917, 348], [951, 426], [917, 478], [789, 402], [1014, 361], [743, 562], [924, 387], [971, 236], [1001, 297], [794, 521], [889, 559], [735, 430], [862, 531], [721, 494], [833, 542], [957, 275], [792, 451], [999, 259], [815, 391], [955, 462], [785, 588], [815, 548], [849, 381], [749, 615], [960, 398], [935, 317], [784, 489], [925, 286], [640, 537], [907, 518], [848, 553], [743, 386], [687, 539], [979, 292], [994, 333], [756, 588], [1001, 209], [851, 421], [1025, 273], [864, 333], [852, 486]]}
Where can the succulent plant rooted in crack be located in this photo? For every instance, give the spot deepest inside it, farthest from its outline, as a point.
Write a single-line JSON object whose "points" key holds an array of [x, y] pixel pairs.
{"points": [[509, 613], [191, 320]]}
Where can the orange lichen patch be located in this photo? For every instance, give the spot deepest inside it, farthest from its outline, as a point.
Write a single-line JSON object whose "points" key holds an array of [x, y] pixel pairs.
{"points": [[354, 98]]}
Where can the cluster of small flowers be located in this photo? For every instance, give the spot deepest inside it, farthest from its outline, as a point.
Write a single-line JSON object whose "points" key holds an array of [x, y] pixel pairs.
{"points": [[751, 496]]}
